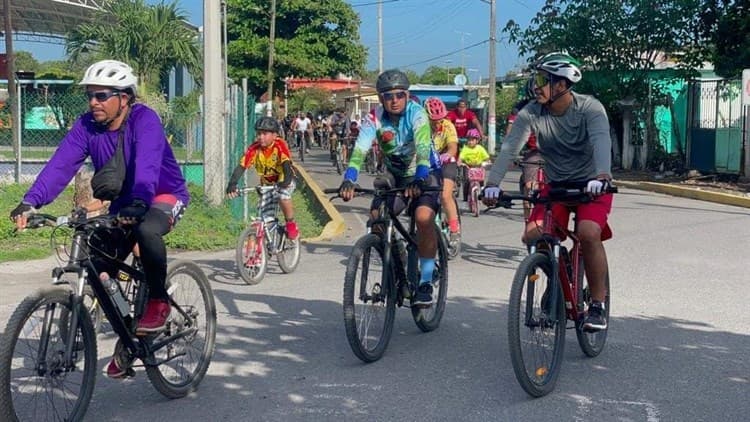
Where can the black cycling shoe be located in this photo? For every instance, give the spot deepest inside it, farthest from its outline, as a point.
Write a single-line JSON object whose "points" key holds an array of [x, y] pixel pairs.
{"points": [[423, 297], [595, 320]]}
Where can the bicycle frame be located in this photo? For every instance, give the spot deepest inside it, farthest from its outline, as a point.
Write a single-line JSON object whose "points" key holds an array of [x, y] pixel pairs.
{"points": [[83, 261], [266, 217]]}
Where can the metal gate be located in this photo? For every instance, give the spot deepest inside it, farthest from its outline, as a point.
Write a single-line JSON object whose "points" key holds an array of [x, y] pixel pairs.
{"points": [[715, 126]]}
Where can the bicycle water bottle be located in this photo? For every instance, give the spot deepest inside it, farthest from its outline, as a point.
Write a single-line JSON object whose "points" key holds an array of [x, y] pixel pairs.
{"points": [[112, 288]]}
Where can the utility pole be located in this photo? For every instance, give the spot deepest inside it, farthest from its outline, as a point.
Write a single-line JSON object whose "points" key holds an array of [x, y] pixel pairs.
{"points": [[271, 40], [491, 105], [380, 36], [214, 108], [15, 115]]}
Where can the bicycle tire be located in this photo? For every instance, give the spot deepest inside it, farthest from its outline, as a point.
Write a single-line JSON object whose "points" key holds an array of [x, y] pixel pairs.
{"points": [[428, 319], [537, 378], [591, 343], [339, 164], [92, 305], [50, 388], [454, 248], [173, 378], [288, 252], [252, 274], [359, 336], [474, 201]]}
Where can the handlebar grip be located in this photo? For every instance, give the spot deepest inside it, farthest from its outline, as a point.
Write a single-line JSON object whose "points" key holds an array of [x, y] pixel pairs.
{"points": [[331, 190]]}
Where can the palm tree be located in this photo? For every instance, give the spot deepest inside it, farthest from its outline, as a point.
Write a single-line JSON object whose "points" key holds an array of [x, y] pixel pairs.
{"points": [[151, 39]]}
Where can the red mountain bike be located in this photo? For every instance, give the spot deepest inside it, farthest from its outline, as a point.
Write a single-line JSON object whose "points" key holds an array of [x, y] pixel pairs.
{"points": [[550, 288]]}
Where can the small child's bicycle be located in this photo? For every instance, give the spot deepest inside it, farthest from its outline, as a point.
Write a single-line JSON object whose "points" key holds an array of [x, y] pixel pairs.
{"points": [[265, 237]]}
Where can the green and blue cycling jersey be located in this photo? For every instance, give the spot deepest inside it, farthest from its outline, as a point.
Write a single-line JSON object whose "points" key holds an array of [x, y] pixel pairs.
{"points": [[407, 148]]}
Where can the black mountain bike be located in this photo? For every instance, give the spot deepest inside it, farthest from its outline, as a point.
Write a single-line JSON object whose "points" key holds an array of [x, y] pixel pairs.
{"points": [[383, 272], [48, 355]]}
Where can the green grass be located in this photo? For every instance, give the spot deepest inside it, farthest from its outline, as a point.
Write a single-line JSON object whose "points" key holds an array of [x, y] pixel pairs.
{"points": [[204, 227]]}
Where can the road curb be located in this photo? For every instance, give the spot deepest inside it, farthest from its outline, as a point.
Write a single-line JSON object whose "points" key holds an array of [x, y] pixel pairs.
{"points": [[685, 192], [336, 225]]}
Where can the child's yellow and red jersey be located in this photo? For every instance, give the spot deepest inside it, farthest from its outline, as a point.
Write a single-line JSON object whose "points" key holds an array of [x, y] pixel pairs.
{"points": [[267, 161]]}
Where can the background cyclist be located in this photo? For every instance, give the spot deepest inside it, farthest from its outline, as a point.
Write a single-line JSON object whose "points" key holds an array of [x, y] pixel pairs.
{"points": [[445, 142], [270, 157], [153, 196], [573, 138], [464, 119], [402, 130]]}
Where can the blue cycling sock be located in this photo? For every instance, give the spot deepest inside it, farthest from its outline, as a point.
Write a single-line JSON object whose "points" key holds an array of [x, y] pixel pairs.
{"points": [[427, 265]]}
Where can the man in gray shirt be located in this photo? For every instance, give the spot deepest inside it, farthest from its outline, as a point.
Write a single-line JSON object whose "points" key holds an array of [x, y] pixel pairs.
{"points": [[572, 133]]}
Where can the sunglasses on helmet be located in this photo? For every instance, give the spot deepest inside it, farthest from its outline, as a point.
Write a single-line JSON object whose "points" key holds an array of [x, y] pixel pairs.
{"points": [[101, 96]]}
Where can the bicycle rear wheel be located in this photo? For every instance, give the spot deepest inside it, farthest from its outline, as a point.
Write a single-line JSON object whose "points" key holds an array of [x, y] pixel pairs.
{"points": [[535, 338], [288, 251], [369, 299], [35, 387], [592, 343], [428, 319], [182, 364], [250, 255]]}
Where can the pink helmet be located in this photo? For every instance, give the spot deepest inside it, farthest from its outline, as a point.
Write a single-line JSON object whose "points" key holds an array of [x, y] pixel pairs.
{"points": [[473, 133], [435, 108]]}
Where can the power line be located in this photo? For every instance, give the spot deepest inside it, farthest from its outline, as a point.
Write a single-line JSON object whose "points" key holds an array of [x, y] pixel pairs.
{"points": [[373, 3], [447, 54]]}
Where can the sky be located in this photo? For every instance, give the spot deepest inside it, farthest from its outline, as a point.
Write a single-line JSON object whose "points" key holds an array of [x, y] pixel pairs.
{"points": [[417, 34]]}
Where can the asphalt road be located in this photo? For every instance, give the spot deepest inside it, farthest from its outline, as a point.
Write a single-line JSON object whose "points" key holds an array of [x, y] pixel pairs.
{"points": [[677, 348]]}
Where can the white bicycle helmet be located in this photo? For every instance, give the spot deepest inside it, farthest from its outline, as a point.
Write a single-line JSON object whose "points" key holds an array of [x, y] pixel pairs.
{"points": [[561, 64], [110, 73]]}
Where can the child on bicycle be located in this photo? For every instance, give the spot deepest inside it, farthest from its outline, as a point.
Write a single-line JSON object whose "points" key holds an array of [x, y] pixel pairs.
{"points": [[445, 141], [474, 155], [270, 156]]}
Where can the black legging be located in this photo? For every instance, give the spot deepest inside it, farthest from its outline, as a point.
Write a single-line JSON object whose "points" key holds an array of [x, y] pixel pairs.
{"points": [[153, 252]]}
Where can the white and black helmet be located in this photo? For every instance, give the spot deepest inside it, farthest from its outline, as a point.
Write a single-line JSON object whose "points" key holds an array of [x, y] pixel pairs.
{"points": [[561, 64], [111, 73]]}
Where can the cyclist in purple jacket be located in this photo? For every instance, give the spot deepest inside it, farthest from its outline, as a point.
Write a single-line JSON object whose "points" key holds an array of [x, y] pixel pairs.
{"points": [[153, 196]]}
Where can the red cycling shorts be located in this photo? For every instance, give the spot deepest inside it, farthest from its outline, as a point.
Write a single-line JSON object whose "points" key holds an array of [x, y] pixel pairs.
{"points": [[597, 211]]}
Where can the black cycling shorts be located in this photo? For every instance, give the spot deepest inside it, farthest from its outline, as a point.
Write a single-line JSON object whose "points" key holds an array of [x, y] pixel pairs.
{"points": [[398, 203], [450, 171]]}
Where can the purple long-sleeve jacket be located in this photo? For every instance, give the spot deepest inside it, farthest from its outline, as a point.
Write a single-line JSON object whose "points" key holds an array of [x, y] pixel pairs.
{"points": [[151, 167]]}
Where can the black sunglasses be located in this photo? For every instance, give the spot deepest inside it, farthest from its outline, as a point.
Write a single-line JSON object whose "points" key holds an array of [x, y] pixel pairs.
{"points": [[389, 96], [101, 96]]}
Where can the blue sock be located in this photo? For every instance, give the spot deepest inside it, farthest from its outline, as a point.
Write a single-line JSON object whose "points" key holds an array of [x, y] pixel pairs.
{"points": [[427, 266]]}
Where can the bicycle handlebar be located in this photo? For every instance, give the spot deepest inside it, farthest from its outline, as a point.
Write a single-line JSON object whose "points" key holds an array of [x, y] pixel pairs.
{"points": [[382, 192], [557, 194]]}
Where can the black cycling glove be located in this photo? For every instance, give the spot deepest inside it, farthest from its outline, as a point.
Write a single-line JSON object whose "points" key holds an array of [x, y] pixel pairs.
{"points": [[22, 209], [137, 209]]}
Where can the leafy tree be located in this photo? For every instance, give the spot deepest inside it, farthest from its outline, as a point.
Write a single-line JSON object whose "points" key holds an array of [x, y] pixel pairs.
{"points": [[152, 39], [26, 62], [625, 38], [60, 69], [726, 23], [436, 75], [310, 99], [313, 39]]}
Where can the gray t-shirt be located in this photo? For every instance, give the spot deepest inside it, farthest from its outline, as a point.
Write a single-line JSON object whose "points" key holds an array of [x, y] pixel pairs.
{"points": [[575, 146]]}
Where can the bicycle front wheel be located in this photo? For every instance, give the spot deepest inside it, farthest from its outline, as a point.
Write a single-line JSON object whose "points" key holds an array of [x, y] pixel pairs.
{"points": [[369, 299], [182, 364], [428, 319], [250, 256], [288, 251], [536, 339], [37, 383]]}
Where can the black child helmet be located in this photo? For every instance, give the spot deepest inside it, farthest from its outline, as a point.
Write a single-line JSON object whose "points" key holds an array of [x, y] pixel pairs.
{"points": [[268, 124]]}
